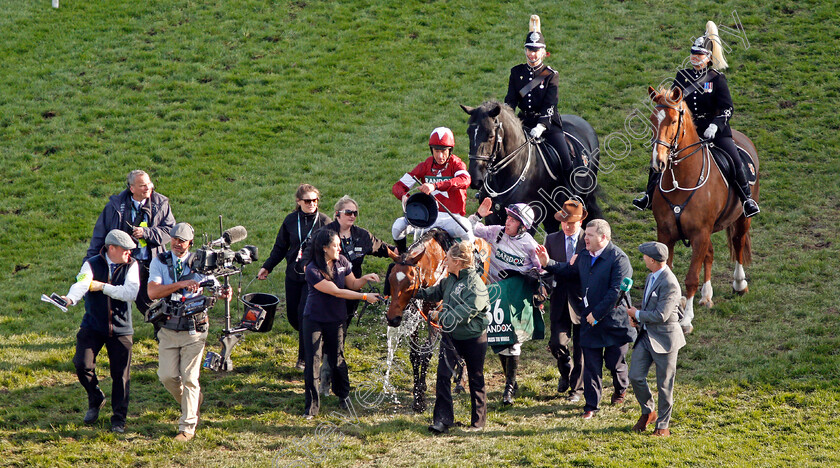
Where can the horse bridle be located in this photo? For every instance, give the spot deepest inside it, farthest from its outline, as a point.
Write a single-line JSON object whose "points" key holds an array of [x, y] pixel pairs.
{"points": [[673, 150], [493, 166]]}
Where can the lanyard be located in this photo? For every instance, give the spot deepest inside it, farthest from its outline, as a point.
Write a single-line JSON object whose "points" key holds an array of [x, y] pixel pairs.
{"points": [[310, 228]]}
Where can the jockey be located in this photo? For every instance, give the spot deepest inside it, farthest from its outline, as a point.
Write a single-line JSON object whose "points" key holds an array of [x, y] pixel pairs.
{"points": [[532, 87], [514, 252], [706, 93], [444, 176]]}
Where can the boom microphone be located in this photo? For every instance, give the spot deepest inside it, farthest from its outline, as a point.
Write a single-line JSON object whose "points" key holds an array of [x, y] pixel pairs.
{"points": [[232, 236]]}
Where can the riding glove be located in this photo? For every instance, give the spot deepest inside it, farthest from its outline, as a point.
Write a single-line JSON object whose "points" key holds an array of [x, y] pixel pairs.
{"points": [[537, 131], [710, 132]]}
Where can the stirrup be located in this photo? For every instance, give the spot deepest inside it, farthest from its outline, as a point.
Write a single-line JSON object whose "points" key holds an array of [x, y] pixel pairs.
{"points": [[642, 203], [751, 208]]}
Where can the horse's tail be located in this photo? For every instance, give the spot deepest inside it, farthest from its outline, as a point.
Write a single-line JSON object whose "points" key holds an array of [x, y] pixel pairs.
{"points": [[746, 250]]}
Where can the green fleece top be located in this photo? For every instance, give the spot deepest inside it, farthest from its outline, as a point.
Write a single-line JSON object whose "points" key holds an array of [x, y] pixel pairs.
{"points": [[465, 304]]}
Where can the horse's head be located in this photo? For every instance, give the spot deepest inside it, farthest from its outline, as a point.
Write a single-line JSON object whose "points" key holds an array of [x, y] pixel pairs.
{"points": [[405, 279], [669, 121], [485, 132]]}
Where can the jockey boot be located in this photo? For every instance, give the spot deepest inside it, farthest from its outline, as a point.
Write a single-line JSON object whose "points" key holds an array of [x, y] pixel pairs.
{"points": [[646, 200], [402, 245], [742, 186], [510, 379]]}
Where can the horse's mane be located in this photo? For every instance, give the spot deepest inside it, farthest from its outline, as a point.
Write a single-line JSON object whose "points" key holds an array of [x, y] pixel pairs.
{"points": [[438, 235], [507, 114]]}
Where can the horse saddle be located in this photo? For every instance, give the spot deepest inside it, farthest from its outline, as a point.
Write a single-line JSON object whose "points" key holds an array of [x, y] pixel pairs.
{"points": [[723, 164], [580, 158]]}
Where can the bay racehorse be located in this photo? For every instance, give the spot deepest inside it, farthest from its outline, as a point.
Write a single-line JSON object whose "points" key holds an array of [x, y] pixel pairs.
{"points": [[694, 200], [509, 167], [420, 267]]}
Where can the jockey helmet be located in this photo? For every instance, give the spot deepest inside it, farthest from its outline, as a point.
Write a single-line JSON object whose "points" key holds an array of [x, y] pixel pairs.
{"points": [[442, 137], [535, 39], [523, 213]]}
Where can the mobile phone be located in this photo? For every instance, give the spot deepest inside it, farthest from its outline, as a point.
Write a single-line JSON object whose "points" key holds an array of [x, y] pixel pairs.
{"points": [[58, 300]]}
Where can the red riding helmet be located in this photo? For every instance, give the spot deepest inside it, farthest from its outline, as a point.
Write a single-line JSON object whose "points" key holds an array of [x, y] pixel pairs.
{"points": [[442, 136]]}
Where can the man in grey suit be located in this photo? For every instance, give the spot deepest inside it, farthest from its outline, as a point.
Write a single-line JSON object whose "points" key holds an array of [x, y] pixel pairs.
{"points": [[659, 340]]}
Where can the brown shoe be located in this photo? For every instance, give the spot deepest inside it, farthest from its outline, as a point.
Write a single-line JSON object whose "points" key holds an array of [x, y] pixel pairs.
{"points": [[618, 398], [661, 432], [186, 437], [644, 420]]}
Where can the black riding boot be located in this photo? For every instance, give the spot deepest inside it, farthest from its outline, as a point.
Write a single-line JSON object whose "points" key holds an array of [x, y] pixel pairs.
{"points": [[510, 379], [644, 202], [402, 245], [742, 186]]}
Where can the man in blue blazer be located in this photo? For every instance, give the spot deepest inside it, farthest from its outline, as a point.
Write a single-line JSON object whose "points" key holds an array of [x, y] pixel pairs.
{"points": [[660, 338], [606, 332]]}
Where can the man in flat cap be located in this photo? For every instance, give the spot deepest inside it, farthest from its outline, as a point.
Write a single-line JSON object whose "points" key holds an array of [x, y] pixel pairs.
{"points": [[565, 318], [181, 339], [660, 338], [145, 215], [109, 283]]}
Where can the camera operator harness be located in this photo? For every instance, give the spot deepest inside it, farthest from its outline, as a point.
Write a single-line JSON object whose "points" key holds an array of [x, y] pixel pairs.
{"points": [[179, 312]]}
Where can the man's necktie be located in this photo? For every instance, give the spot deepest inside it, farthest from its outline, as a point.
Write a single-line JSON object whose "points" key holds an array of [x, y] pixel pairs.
{"points": [[179, 268], [570, 249]]}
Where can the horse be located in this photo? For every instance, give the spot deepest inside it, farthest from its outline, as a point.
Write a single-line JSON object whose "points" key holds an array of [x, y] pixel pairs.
{"points": [[509, 167], [696, 200], [420, 267]]}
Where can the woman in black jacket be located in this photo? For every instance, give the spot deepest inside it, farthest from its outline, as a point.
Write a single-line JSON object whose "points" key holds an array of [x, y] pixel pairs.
{"points": [[296, 229]]}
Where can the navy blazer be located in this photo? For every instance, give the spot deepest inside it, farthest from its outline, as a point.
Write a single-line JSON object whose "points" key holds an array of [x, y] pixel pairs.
{"points": [[568, 291], [599, 288]]}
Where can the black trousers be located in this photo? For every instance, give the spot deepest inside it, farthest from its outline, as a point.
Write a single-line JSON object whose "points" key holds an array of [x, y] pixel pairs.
{"points": [[327, 339], [296, 292], [557, 139], [143, 302], [594, 359], [569, 361], [88, 345], [473, 351]]}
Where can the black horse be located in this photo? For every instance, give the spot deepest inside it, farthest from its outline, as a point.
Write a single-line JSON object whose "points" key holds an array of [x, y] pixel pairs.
{"points": [[508, 167]]}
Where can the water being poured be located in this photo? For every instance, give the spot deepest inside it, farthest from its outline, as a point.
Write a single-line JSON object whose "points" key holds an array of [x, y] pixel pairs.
{"points": [[411, 320]]}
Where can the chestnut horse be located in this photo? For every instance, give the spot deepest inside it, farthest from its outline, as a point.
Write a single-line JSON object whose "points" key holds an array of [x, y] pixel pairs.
{"points": [[694, 200], [420, 267]]}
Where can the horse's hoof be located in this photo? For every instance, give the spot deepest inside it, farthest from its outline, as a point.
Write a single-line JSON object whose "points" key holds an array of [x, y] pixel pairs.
{"points": [[459, 389], [419, 406], [707, 302], [687, 329], [742, 292]]}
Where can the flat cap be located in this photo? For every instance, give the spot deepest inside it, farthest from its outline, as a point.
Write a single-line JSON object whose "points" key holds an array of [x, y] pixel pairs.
{"points": [[120, 239], [182, 231], [655, 250]]}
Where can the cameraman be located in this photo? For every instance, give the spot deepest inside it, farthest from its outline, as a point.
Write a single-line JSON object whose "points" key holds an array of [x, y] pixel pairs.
{"points": [[182, 339]]}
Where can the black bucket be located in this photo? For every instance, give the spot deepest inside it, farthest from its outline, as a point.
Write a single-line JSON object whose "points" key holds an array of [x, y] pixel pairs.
{"points": [[267, 302]]}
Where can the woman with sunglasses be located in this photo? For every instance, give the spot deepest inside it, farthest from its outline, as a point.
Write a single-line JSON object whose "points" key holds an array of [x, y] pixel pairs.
{"points": [[355, 243], [296, 230], [532, 87]]}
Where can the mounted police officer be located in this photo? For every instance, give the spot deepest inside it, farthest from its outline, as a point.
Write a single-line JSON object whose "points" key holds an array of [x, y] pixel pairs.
{"points": [[182, 339], [706, 93], [532, 87]]}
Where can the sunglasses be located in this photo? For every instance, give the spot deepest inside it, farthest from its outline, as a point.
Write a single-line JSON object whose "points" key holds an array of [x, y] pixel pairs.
{"points": [[349, 212], [314, 200]]}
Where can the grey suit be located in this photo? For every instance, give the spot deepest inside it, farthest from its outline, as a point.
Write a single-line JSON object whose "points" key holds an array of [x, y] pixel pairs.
{"points": [[658, 343]]}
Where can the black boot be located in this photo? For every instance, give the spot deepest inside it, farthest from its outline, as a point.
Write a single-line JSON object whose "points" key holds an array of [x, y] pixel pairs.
{"points": [[402, 245], [510, 379], [646, 200], [742, 186]]}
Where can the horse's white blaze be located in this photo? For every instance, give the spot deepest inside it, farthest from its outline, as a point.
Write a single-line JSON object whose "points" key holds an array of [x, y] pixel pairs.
{"points": [[706, 294], [475, 134], [661, 116], [740, 278], [400, 276]]}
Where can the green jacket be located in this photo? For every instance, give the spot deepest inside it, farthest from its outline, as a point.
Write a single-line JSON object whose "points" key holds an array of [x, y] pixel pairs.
{"points": [[465, 304]]}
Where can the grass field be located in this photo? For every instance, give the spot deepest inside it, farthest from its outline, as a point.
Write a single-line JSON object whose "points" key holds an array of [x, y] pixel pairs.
{"points": [[229, 105]]}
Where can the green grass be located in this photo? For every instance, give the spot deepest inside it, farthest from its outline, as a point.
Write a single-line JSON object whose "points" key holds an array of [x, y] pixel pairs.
{"points": [[231, 104]]}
